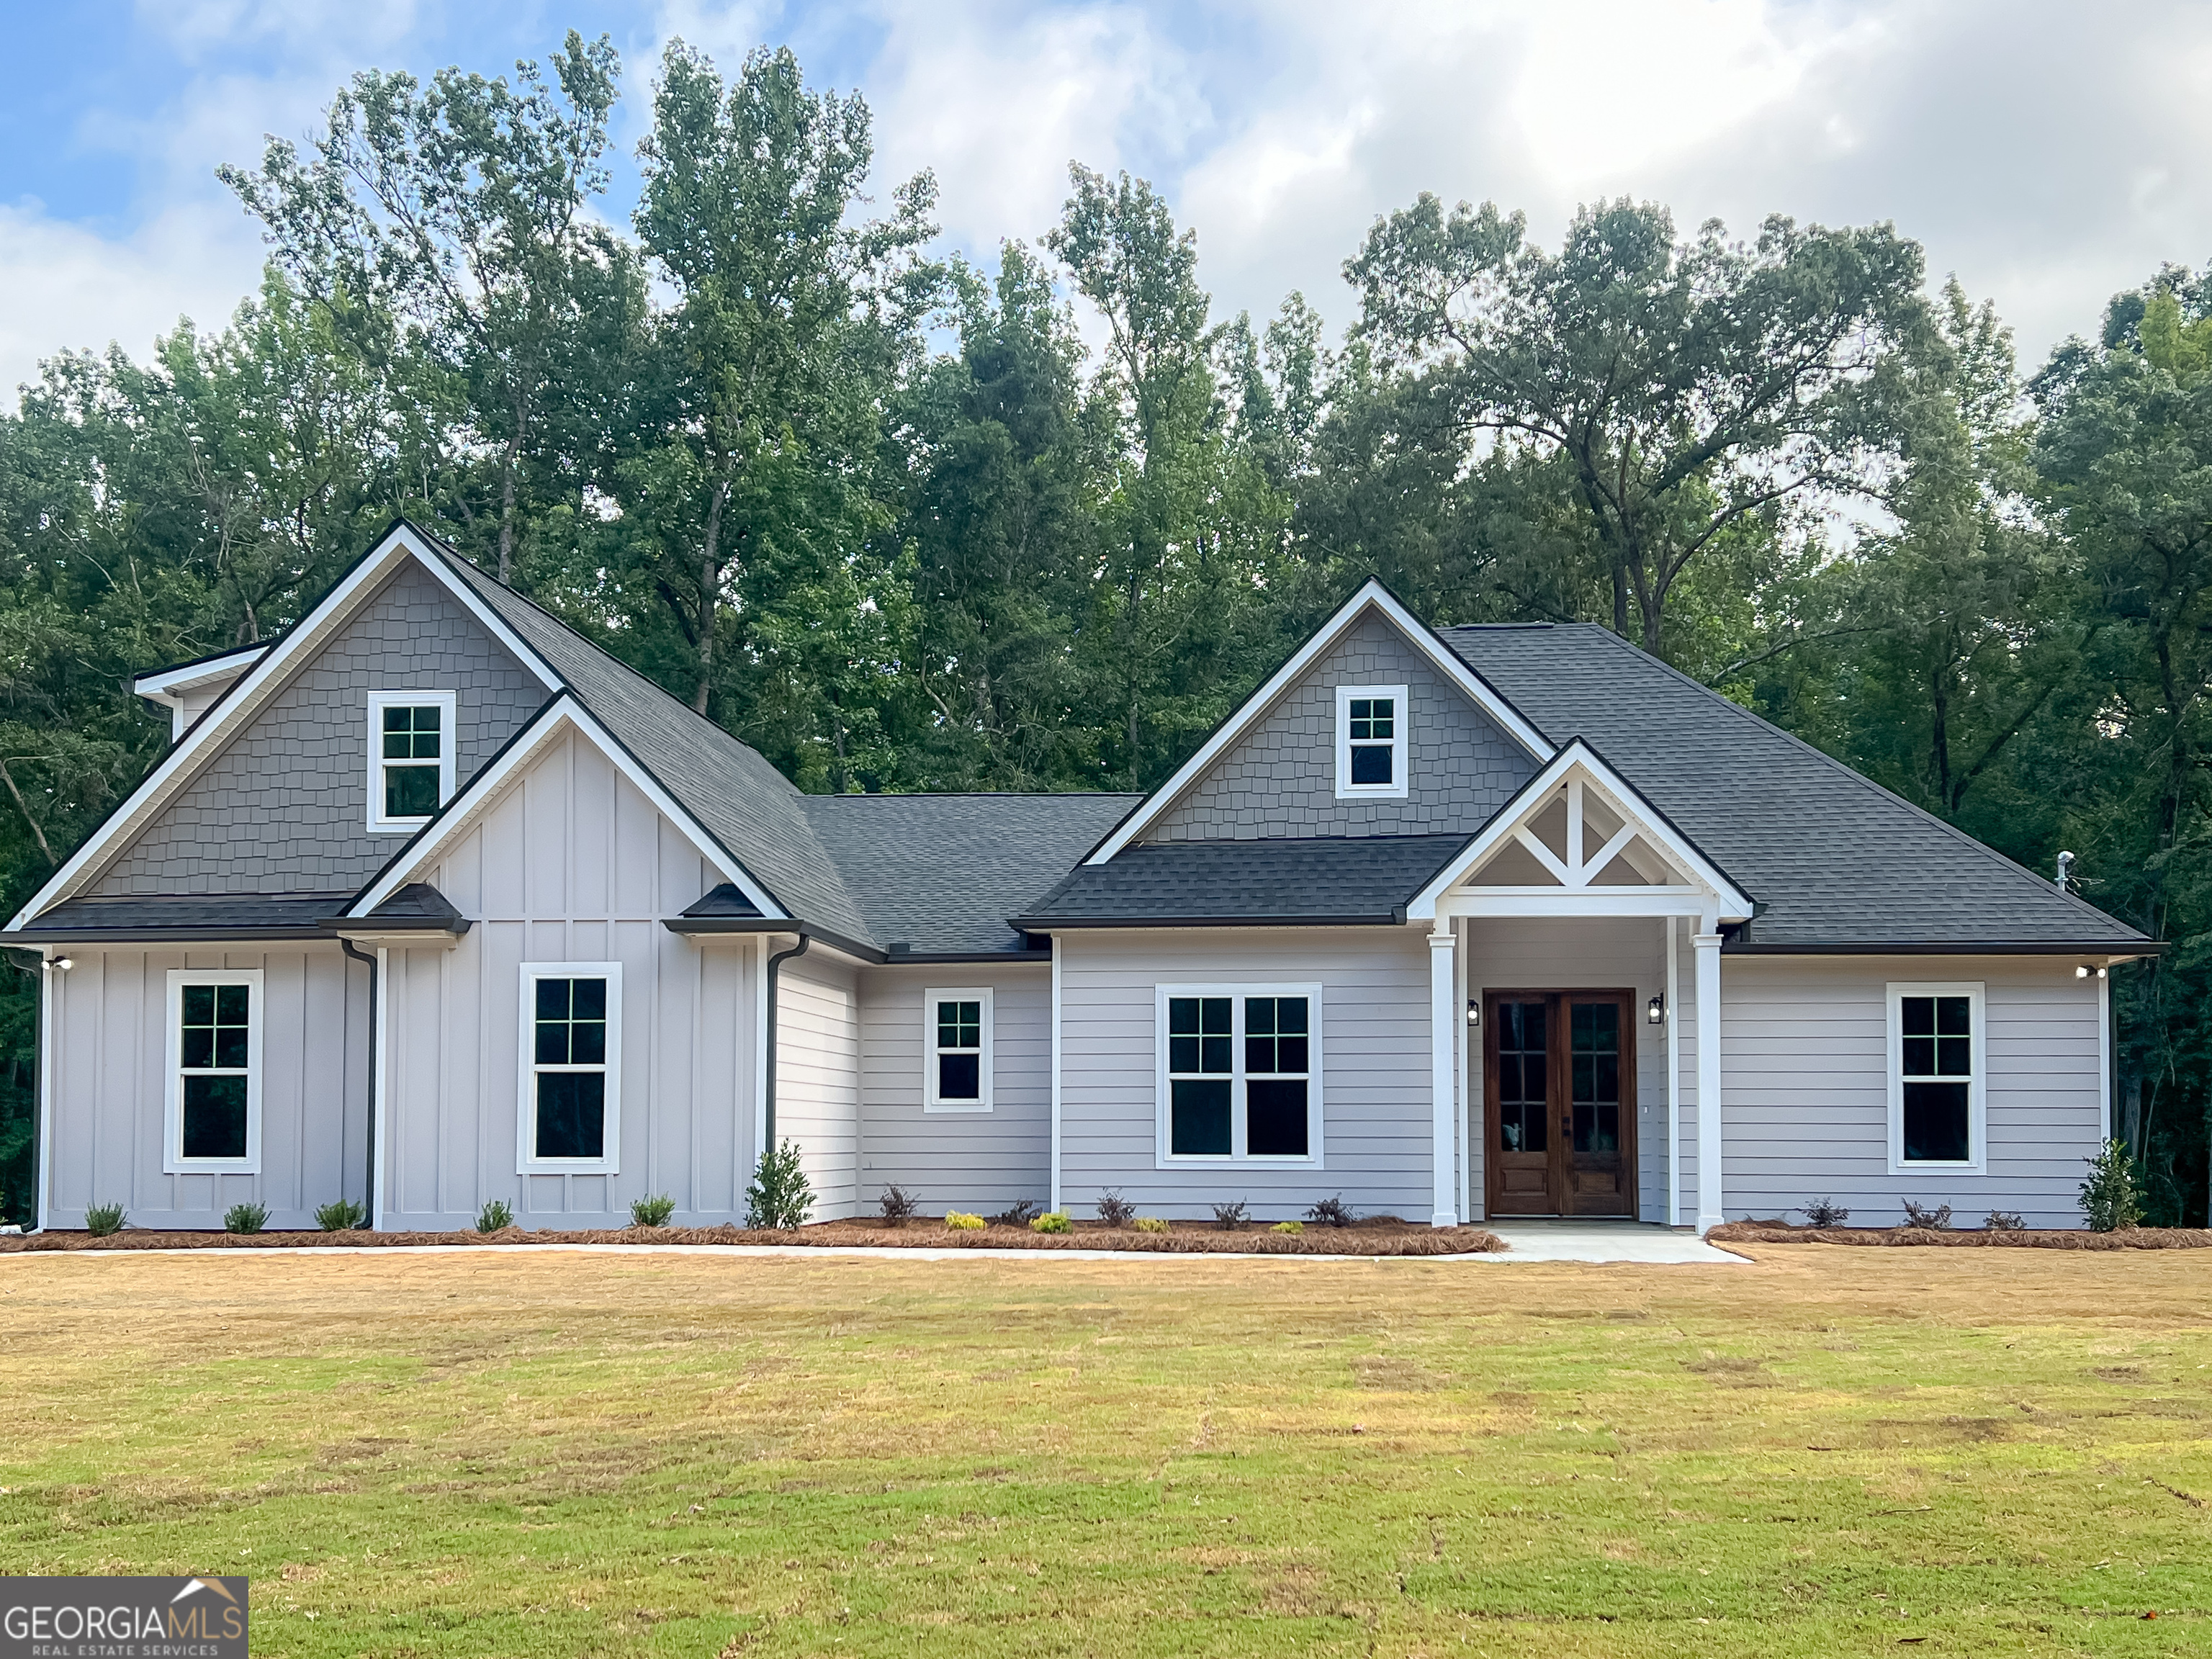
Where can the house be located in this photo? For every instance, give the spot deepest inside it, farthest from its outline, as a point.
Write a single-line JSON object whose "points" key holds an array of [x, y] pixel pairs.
{"points": [[433, 902]]}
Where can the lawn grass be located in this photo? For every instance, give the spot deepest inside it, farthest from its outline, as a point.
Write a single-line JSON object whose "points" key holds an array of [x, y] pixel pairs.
{"points": [[1836, 1451]]}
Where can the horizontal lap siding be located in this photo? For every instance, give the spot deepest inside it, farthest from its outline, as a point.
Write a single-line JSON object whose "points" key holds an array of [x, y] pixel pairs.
{"points": [[817, 1096], [570, 864], [1374, 1032], [1804, 1058], [109, 1071], [976, 1160], [1599, 954]]}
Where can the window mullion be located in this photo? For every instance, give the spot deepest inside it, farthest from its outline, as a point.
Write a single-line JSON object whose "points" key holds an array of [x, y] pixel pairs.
{"points": [[1239, 1136]]}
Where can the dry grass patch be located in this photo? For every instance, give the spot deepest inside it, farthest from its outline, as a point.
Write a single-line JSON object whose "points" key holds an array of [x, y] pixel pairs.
{"points": [[1992, 1452]]}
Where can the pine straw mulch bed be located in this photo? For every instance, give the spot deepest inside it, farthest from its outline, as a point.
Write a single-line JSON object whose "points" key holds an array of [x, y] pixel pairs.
{"points": [[2128, 1238], [1374, 1236]]}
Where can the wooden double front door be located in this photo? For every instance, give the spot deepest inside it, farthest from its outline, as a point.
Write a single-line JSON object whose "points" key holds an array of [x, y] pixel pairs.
{"points": [[1558, 1077]]}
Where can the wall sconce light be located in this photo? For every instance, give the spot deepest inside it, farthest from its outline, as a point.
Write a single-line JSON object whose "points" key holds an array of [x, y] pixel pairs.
{"points": [[1474, 1010], [61, 963], [2084, 970], [1654, 1011]]}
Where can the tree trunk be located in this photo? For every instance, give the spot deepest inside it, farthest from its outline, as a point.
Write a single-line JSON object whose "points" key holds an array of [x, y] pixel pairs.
{"points": [[710, 585]]}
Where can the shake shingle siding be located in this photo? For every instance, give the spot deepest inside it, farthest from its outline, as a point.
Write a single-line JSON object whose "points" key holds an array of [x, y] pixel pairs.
{"points": [[1279, 779], [284, 808]]}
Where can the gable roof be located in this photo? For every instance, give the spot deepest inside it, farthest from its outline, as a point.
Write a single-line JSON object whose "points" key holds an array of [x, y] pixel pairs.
{"points": [[1320, 881], [1836, 861], [1373, 597]]}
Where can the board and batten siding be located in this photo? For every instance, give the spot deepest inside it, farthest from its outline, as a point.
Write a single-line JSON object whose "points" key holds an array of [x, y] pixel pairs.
{"points": [[1804, 1058], [1575, 953], [570, 863], [107, 1072], [981, 1162], [817, 1068], [1375, 1135]]}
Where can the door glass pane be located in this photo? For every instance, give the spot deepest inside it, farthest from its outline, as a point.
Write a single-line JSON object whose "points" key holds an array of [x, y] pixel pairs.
{"points": [[1595, 1049], [1523, 1078]]}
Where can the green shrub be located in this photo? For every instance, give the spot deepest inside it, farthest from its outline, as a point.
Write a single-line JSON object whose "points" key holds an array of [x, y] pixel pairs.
{"points": [[496, 1214], [246, 1218], [1288, 1227], [1150, 1223], [2112, 1197], [342, 1215], [1826, 1212], [961, 1222], [781, 1197], [652, 1212], [1052, 1222], [102, 1219]]}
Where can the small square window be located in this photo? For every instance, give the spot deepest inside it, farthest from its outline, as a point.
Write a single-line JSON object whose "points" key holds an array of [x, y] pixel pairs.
{"points": [[410, 766]]}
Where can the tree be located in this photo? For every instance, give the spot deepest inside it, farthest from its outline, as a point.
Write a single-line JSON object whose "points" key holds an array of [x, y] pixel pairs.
{"points": [[448, 224], [1689, 386]]}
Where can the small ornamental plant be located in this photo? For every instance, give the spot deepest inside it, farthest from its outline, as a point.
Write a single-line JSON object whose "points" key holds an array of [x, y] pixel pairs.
{"points": [[2004, 1221], [1114, 1209], [101, 1220], [2111, 1198], [496, 1214], [1937, 1220], [1150, 1223], [961, 1222], [246, 1218], [781, 1197], [1288, 1227], [1331, 1213], [896, 1208], [1052, 1221], [1232, 1218], [342, 1215], [652, 1212], [1827, 1212], [1019, 1214]]}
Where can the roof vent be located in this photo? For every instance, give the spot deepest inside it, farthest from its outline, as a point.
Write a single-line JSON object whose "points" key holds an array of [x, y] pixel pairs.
{"points": [[900, 947], [2065, 877]]}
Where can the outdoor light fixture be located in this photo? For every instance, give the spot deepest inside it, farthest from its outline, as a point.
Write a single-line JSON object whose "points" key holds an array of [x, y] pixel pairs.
{"points": [[1654, 1011], [2084, 970], [61, 963], [1474, 1012]]}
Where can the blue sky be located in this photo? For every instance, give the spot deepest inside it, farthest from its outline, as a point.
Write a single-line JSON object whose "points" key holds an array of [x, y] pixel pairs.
{"points": [[2047, 152]]}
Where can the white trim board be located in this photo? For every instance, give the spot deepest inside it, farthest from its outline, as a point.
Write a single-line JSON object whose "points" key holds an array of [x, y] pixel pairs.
{"points": [[467, 808], [1576, 763], [1372, 596], [238, 707]]}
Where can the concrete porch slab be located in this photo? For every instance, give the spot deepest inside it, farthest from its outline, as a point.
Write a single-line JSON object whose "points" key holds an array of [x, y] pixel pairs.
{"points": [[1603, 1240]]}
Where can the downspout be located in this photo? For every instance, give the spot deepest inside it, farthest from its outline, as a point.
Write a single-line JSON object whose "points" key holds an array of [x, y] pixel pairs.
{"points": [[767, 1042], [368, 1168]]}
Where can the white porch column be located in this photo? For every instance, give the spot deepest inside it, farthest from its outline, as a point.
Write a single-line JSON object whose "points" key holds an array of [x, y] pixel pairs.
{"points": [[1708, 946], [1443, 1052]]}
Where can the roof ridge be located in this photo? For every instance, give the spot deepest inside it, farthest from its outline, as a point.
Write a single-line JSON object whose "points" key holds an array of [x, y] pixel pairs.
{"points": [[1761, 722]]}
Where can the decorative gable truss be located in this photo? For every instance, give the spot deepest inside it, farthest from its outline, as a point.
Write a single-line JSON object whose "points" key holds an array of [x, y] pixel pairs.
{"points": [[1580, 840]]}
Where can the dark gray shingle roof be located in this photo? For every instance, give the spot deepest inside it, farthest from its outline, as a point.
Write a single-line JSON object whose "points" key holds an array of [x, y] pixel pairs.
{"points": [[256, 915], [1269, 882], [943, 872], [1833, 858]]}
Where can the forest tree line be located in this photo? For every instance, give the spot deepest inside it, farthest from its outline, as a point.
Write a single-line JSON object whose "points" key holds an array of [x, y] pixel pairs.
{"points": [[906, 522]]}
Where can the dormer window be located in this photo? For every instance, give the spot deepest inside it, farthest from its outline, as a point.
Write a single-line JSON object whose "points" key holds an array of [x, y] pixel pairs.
{"points": [[410, 758], [1371, 741]]}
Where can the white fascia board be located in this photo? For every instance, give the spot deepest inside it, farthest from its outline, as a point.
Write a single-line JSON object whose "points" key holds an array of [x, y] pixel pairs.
{"points": [[1576, 902], [461, 814], [436, 563], [1372, 595], [163, 685], [1733, 904], [223, 722]]}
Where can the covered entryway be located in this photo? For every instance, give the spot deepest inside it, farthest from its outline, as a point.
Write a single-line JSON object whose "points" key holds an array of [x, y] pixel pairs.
{"points": [[1559, 1086]]}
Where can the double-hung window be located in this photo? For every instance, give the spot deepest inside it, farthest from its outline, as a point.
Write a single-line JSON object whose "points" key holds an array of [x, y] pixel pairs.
{"points": [[571, 1067], [1240, 1073], [1937, 1084], [214, 1093], [411, 758], [956, 1042], [1371, 741]]}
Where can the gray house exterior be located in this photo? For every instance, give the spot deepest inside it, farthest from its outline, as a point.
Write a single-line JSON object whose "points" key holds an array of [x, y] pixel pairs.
{"points": [[432, 902]]}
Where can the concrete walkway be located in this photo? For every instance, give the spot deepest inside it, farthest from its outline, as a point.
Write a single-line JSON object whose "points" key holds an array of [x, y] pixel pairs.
{"points": [[1531, 1240]]}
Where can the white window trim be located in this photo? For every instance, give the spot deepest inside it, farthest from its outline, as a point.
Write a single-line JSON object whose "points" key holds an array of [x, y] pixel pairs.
{"points": [[525, 1160], [1978, 1085], [931, 1102], [1163, 1096], [174, 1161], [1399, 748], [447, 701]]}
